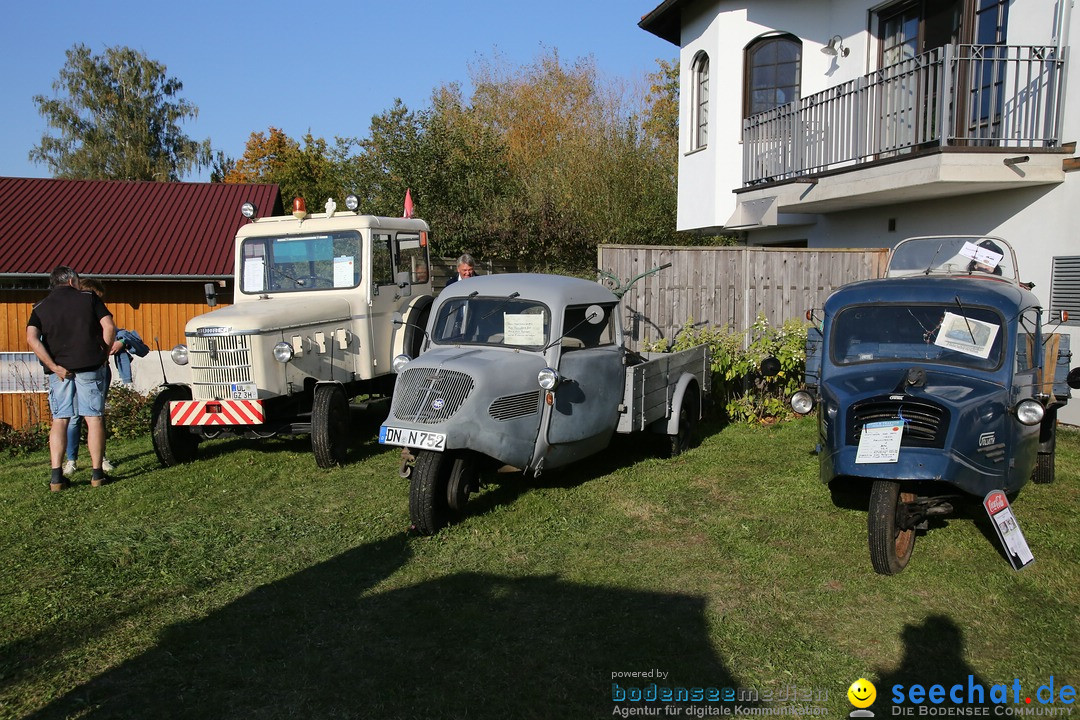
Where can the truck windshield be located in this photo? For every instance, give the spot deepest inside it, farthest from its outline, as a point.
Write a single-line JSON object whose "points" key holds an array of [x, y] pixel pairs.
{"points": [[969, 337], [500, 321], [300, 263], [953, 255]]}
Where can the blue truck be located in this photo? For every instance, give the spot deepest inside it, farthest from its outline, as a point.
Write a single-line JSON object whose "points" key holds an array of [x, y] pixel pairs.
{"points": [[935, 381]]}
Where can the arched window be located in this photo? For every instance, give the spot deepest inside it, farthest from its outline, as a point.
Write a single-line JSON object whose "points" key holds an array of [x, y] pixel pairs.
{"points": [[773, 72], [699, 94]]}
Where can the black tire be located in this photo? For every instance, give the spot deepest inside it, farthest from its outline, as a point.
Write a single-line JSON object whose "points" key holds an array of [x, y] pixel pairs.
{"points": [[464, 481], [429, 510], [684, 438], [330, 426], [173, 445], [1044, 469], [890, 546]]}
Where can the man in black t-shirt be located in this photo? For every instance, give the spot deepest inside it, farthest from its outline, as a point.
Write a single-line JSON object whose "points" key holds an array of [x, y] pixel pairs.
{"points": [[72, 334]]}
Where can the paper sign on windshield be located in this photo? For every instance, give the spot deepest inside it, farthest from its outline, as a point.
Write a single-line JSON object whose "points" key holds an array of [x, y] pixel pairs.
{"points": [[343, 271], [254, 269], [966, 335], [981, 255], [523, 329]]}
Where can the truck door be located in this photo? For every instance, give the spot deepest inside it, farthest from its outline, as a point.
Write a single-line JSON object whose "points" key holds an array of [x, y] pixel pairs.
{"points": [[384, 300], [586, 407], [1027, 381]]}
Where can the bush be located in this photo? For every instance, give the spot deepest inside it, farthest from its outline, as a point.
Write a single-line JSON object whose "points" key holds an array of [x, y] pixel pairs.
{"points": [[738, 387], [128, 415], [29, 438]]}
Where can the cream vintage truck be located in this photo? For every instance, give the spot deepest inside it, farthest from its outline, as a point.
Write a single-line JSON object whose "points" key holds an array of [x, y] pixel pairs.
{"points": [[322, 305]]}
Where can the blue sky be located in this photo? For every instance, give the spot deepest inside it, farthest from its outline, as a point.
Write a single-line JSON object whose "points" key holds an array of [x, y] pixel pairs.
{"points": [[327, 67]]}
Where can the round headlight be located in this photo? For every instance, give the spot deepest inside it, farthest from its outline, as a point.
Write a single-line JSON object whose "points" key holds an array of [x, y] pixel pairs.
{"points": [[180, 355], [400, 362], [547, 378], [283, 352], [1030, 412], [352, 202], [248, 210], [802, 402]]}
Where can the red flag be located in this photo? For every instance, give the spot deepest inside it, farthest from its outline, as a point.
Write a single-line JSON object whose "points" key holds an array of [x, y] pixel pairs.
{"points": [[408, 204]]}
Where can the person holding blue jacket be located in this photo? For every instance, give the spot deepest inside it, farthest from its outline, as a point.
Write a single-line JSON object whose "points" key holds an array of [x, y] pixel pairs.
{"points": [[74, 428]]}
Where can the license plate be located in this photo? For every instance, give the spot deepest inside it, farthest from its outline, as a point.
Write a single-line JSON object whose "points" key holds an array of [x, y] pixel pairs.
{"points": [[412, 438], [245, 391]]}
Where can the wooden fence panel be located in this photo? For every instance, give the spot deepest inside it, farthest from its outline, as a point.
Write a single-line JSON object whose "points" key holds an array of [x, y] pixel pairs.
{"points": [[729, 286]]}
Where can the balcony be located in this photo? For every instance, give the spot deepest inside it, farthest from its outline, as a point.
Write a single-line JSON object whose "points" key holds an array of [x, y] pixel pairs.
{"points": [[990, 96], [958, 119]]}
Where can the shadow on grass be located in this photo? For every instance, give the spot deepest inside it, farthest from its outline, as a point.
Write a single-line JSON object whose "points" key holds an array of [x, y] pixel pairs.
{"points": [[323, 643], [624, 451], [933, 655]]}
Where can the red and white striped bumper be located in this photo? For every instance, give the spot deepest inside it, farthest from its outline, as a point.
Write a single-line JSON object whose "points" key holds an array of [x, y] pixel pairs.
{"points": [[216, 412]]}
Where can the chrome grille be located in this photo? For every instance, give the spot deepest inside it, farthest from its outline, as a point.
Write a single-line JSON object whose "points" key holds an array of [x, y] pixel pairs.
{"points": [[430, 395], [509, 407], [925, 423], [218, 362]]}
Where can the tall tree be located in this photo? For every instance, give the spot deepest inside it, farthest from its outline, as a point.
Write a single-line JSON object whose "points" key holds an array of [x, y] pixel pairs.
{"points": [[116, 117]]}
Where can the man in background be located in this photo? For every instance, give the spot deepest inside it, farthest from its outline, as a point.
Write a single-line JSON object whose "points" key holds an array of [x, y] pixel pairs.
{"points": [[465, 265], [72, 332]]}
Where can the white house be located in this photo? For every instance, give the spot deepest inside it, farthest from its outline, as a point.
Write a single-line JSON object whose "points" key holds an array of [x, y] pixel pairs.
{"points": [[853, 123]]}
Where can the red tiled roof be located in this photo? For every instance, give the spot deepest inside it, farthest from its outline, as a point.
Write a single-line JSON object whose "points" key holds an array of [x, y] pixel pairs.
{"points": [[111, 228]]}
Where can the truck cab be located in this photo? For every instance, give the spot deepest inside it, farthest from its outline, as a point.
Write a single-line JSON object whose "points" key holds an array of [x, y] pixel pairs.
{"points": [[312, 326]]}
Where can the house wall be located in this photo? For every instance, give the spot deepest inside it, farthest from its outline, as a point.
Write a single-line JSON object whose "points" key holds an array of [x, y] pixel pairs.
{"points": [[723, 29]]}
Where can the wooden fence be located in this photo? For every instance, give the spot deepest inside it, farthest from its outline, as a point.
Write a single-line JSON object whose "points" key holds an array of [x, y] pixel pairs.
{"points": [[729, 286]]}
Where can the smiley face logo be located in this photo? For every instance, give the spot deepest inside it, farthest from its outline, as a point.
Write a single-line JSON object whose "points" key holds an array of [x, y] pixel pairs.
{"points": [[862, 693]]}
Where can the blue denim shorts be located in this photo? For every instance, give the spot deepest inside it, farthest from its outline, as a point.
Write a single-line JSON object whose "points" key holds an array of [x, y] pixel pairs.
{"points": [[83, 394]]}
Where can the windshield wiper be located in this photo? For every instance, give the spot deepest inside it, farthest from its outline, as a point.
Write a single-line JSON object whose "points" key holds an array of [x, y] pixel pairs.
{"points": [[500, 306], [963, 312], [932, 259], [461, 312]]}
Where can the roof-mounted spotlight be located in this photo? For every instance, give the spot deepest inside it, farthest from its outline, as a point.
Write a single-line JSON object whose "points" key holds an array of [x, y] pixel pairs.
{"points": [[352, 202], [249, 210], [836, 47]]}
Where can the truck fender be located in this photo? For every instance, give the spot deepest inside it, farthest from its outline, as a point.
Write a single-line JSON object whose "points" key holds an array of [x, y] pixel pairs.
{"points": [[687, 383], [409, 336]]}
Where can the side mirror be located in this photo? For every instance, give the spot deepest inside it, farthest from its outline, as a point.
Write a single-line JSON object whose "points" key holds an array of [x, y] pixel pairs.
{"points": [[211, 294], [1073, 378], [770, 367]]}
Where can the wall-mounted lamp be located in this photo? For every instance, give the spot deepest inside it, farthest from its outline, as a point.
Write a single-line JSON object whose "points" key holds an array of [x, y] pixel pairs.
{"points": [[836, 47]]}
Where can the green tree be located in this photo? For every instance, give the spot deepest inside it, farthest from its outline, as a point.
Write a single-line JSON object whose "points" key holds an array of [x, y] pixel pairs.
{"points": [[314, 171], [116, 117]]}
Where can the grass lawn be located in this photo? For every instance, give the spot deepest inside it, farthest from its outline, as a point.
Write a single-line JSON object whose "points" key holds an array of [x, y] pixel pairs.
{"points": [[251, 584]]}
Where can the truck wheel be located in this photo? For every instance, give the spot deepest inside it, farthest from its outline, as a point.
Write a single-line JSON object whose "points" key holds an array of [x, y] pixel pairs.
{"points": [[329, 425], [683, 440], [429, 507], [890, 545], [1044, 469], [173, 444], [464, 481]]}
